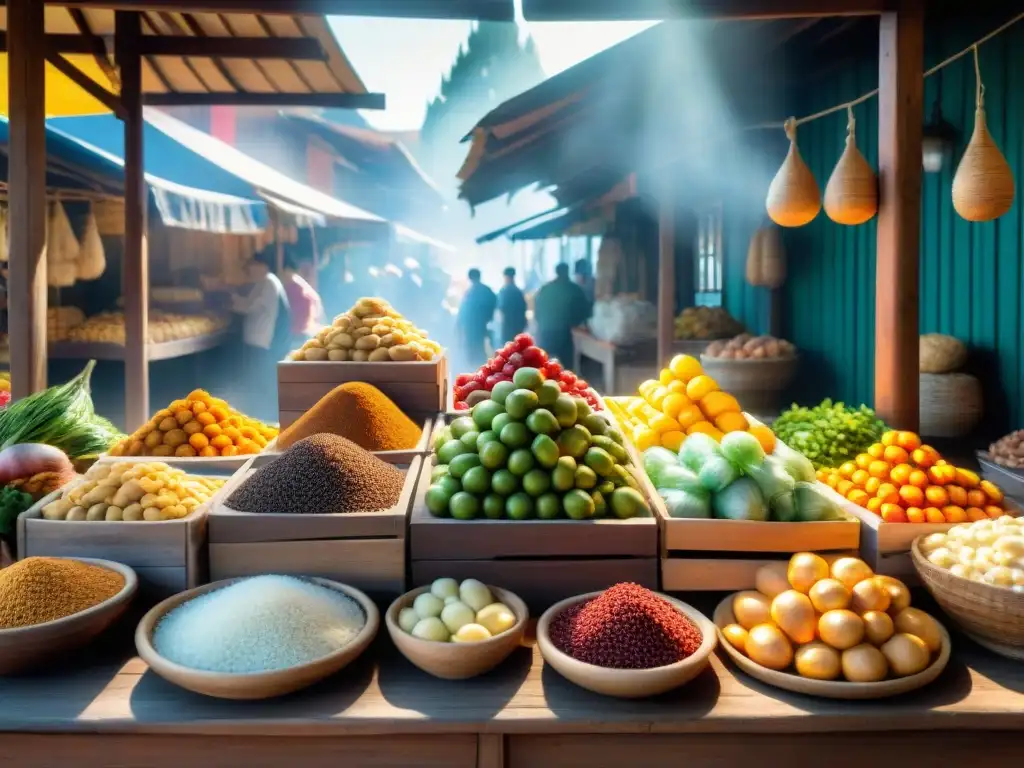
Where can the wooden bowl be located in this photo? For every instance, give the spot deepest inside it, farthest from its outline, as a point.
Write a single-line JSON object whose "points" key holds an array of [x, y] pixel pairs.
{"points": [[24, 647], [627, 683], [829, 689], [457, 661], [257, 685], [991, 616]]}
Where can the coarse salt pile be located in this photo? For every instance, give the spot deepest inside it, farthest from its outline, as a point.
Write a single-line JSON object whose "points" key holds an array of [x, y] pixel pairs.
{"points": [[625, 627], [259, 624]]}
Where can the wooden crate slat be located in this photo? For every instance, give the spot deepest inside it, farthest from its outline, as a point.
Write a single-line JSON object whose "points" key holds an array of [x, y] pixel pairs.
{"points": [[704, 574], [328, 372], [299, 397]]}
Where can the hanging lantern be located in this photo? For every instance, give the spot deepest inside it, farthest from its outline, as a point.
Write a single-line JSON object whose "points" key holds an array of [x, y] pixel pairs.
{"points": [[754, 259], [983, 184], [793, 196], [851, 195], [773, 258]]}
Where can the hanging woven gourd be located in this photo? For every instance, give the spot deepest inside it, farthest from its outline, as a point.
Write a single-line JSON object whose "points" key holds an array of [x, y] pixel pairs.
{"points": [[754, 259], [793, 196], [851, 195], [773, 258], [983, 184]]}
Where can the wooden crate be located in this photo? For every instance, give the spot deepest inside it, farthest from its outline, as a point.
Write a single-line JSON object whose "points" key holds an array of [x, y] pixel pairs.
{"points": [[724, 555], [543, 561], [168, 556], [366, 550], [417, 387]]}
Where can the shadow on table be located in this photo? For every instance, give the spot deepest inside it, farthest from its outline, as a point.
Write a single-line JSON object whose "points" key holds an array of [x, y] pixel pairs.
{"points": [[156, 700], [569, 702], [478, 699]]}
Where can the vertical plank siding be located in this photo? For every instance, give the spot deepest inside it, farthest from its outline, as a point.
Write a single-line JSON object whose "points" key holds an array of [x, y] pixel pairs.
{"points": [[972, 275]]}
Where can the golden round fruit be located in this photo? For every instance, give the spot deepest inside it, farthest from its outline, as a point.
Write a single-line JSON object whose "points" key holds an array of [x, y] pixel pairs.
{"points": [[794, 614], [829, 595], [841, 629], [878, 627], [850, 571], [906, 654], [899, 595], [737, 636], [768, 646], [771, 579], [818, 661], [751, 608], [869, 595], [864, 664], [805, 568], [914, 621]]}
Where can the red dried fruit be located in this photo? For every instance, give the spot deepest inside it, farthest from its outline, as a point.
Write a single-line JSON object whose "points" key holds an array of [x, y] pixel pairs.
{"points": [[493, 379], [568, 377], [461, 405], [462, 379], [553, 369], [509, 370], [523, 340], [625, 627]]}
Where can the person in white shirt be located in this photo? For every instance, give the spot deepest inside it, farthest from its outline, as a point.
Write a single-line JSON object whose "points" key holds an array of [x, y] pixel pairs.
{"points": [[265, 334]]}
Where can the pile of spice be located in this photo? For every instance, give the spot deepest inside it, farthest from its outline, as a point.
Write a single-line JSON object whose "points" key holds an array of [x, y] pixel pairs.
{"points": [[320, 475], [625, 627], [359, 412], [259, 624], [40, 589]]}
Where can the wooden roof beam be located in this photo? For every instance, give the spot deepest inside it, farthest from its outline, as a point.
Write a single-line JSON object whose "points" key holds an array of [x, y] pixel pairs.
{"points": [[483, 10], [294, 48], [657, 10], [86, 83], [277, 100]]}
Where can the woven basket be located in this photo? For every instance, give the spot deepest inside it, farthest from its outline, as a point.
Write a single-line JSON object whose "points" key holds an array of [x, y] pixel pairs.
{"points": [[951, 404], [757, 384], [993, 616]]}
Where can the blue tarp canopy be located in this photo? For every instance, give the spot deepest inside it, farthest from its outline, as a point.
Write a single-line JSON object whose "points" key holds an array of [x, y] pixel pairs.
{"points": [[182, 154], [74, 167]]}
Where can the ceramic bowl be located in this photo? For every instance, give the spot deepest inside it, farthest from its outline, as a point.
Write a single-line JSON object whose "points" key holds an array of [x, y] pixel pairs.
{"points": [[257, 685], [457, 661], [627, 683], [24, 647]]}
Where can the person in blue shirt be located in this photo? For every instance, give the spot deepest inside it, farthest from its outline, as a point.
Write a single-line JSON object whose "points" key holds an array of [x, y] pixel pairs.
{"points": [[512, 305], [475, 313]]}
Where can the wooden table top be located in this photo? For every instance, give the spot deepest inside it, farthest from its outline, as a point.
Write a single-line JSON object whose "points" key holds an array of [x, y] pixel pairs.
{"points": [[113, 692]]}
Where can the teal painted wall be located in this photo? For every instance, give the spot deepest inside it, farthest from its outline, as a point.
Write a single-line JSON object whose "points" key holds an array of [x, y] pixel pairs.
{"points": [[972, 276]]}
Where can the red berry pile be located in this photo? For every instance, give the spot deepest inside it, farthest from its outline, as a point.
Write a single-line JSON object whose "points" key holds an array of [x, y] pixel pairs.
{"points": [[5, 398], [521, 351]]}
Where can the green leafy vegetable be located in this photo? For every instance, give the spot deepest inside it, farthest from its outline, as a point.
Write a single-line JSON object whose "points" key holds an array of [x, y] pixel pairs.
{"points": [[12, 503], [771, 477], [829, 433], [741, 500], [680, 479], [683, 504], [742, 449], [656, 459], [717, 473], [797, 465], [61, 416], [697, 449], [812, 505]]}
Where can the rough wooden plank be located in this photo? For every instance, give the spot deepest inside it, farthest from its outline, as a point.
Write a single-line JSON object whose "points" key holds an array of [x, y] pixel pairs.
{"points": [[900, 120], [666, 275], [421, 372], [719, 574], [490, 751], [408, 396], [26, 157], [438, 538]]}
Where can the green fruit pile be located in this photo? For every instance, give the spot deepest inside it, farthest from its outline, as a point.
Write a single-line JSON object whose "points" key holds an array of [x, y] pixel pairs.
{"points": [[531, 451], [829, 434]]}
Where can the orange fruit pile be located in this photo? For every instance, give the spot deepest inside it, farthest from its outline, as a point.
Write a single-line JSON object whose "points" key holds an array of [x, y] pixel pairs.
{"points": [[904, 481], [199, 425]]}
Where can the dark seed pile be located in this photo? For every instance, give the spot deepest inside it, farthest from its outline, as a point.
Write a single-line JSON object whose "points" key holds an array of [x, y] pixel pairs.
{"points": [[626, 627], [321, 475]]}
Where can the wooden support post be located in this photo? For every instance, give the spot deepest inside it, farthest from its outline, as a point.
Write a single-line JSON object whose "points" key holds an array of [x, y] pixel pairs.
{"points": [[900, 118], [26, 287], [135, 270], [666, 275]]}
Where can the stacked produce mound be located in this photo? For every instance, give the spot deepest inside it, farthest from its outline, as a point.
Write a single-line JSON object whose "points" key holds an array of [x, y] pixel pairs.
{"points": [[829, 433], [132, 492], [40, 589], [199, 425], [532, 450], [257, 625], [320, 475], [904, 481], [747, 347], [706, 323], [989, 551], [108, 327], [735, 480], [62, 416], [359, 412], [370, 331], [1008, 451], [457, 613], [683, 401], [832, 623], [473, 388], [625, 627]]}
